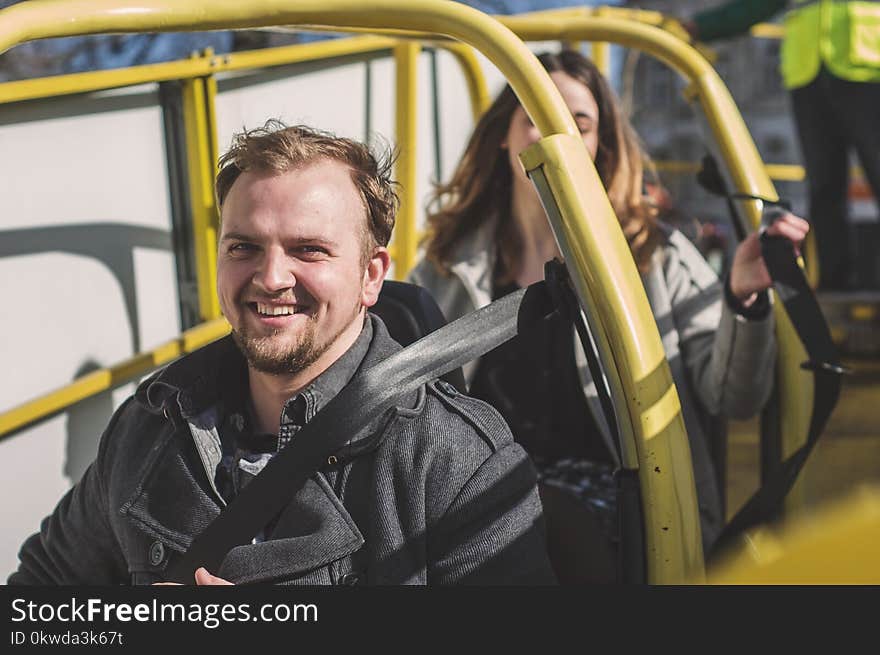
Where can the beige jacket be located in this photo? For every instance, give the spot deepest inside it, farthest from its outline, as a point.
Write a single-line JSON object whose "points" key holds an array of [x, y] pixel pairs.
{"points": [[721, 362]]}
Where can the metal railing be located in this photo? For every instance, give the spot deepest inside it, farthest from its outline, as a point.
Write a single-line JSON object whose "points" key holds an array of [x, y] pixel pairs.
{"points": [[603, 271]]}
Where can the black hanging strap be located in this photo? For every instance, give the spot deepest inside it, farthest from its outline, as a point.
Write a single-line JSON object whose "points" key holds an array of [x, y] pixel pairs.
{"points": [[806, 316], [809, 323]]}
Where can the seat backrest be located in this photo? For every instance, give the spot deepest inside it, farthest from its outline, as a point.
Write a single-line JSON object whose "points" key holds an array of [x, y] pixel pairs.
{"points": [[410, 312]]}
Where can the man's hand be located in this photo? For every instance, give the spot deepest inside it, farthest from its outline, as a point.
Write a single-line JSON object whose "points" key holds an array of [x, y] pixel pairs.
{"points": [[205, 578], [202, 578], [748, 275]]}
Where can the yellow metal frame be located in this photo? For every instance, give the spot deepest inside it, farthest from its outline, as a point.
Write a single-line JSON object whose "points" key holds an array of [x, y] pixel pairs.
{"points": [[478, 92], [406, 238], [778, 172], [835, 545], [201, 157], [200, 66], [603, 270], [653, 437], [93, 383]]}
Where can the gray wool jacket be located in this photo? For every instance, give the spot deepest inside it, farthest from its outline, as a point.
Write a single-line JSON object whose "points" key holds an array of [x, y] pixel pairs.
{"points": [[722, 364], [437, 493]]}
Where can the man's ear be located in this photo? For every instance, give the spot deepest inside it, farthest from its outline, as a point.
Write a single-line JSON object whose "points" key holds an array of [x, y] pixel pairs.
{"points": [[374, 275]]}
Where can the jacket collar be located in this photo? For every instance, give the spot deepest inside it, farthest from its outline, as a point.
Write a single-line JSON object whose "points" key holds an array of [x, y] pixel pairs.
{"points": [[190, 387], [192, 380], [473, 261]]}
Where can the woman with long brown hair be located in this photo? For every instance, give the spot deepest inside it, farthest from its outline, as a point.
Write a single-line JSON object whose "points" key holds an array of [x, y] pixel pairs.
{"points": [[489, 235]]}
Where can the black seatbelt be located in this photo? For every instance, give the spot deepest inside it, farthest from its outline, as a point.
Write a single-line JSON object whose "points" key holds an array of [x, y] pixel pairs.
{"points": [[565, 300], [802, 308], [368, 396]]}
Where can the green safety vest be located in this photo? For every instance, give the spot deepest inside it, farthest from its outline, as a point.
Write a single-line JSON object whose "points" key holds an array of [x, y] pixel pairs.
{"points": [[844, 36]]}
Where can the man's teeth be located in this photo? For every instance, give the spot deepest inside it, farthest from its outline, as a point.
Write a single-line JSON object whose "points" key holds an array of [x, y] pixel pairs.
{"points": [[275, 310]]}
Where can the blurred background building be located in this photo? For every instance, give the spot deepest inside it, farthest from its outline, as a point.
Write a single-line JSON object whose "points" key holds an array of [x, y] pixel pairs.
{"points": [[672, 131], [750, 68]]}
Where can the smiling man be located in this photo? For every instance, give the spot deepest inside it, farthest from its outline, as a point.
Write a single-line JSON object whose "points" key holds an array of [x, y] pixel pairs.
{"points": [[436, 494]]}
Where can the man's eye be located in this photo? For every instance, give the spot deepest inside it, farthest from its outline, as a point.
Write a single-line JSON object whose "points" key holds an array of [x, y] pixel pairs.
{"points": [[241, 247], [312, 251]]}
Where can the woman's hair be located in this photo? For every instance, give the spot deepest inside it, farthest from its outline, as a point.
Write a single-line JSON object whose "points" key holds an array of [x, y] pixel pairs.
{"points": [[481, 186]]}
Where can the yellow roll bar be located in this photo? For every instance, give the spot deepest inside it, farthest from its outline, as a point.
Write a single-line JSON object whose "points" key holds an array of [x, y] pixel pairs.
{"points": [[589, 233], [406, 58], [201, 66], [835, 545], [40, 19], [109, 378]]}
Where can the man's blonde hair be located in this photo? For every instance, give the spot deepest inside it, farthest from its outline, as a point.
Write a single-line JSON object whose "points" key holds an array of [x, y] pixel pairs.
{"points": [[278, 148]]}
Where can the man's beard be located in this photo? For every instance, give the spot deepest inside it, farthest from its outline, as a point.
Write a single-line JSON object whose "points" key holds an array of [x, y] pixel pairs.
{"points": [[264, 355]]}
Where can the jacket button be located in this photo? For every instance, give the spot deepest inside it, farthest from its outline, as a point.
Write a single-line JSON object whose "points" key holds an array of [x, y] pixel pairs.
{"points": [[157, 553], [447, 387], [350, 579]]}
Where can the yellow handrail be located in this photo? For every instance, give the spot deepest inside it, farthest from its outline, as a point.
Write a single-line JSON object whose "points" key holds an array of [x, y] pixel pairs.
{"points": [[39, 19], [201, 66], [779, 172], [108, 378], [406, 58]]}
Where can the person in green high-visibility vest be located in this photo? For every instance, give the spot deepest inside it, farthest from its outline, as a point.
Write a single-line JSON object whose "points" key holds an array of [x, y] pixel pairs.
{"points": [[831, 66]]}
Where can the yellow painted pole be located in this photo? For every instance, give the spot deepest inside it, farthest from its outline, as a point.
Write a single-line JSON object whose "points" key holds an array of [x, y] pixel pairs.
{"points": [[473, 75], [406, 59], [599, 53], [201, 156], [781, 172], [58, 85], [108, 378]]}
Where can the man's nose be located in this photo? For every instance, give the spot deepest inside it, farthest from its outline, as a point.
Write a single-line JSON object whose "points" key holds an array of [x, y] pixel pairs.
{"points": [[275, 272]]}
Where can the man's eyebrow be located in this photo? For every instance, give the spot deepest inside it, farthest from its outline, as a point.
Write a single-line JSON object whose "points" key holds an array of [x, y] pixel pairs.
{"points": [[315, 239], [236, 236]]}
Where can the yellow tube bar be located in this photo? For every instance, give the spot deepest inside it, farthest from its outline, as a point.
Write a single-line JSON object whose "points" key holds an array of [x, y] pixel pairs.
{"points": [[58, 85], [53, 18], [108, 378]]}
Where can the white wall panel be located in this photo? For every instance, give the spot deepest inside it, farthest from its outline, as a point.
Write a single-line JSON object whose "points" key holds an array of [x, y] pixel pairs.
{"points": [[87, 273]]}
